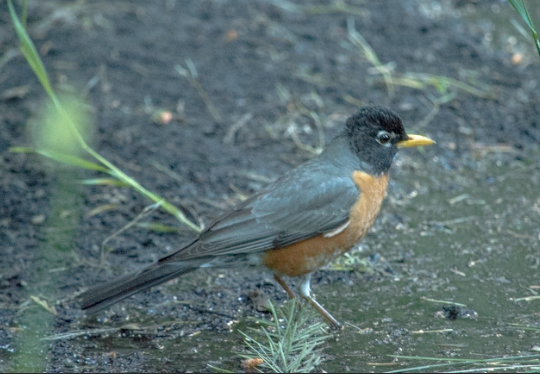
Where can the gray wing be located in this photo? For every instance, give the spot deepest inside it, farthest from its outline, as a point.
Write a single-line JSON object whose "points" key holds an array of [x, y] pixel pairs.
{"points": [[294, 208], [288, 211]]}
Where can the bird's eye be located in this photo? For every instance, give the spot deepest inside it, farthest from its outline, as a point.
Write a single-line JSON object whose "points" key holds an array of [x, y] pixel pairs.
{"points": [[383, 137]]}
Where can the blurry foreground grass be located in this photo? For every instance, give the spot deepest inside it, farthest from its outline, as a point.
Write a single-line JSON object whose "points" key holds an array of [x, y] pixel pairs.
{"points": [[62, 132], [56, 132]]}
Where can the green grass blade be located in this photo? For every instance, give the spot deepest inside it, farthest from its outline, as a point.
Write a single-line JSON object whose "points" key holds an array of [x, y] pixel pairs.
{"points": [[104, 182], [32, 57], [62, 157], [520, 7], [23, 13], [29, 51]]}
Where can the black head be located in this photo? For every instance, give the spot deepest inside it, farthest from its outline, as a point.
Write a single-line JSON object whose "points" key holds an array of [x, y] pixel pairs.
{"points": [[374, 133]]}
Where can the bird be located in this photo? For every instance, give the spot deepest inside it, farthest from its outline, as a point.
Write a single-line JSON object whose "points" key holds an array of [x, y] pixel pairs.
{"points": [[295, 225]]}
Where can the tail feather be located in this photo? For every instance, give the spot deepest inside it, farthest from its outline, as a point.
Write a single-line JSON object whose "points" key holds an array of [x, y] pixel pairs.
{"points": [[103, 296]]}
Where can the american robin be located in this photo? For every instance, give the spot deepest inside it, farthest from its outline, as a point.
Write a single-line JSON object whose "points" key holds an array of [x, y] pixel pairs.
{"points": [[297, 224]]}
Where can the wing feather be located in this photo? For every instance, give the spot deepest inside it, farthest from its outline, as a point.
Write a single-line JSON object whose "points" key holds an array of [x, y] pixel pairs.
{"points": [[295, 209]]}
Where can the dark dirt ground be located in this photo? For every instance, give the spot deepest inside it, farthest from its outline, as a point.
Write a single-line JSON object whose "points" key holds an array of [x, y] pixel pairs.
{"points": [[262, 59]]}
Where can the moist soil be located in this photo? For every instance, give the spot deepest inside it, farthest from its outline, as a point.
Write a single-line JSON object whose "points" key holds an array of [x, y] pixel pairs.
{"points": [[266, 81]]}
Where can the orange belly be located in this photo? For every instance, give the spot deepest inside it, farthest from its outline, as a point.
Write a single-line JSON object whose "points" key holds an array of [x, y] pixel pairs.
{"points": [[306, 256]]}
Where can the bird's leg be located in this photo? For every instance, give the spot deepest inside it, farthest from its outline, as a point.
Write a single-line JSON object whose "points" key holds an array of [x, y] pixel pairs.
{"points": [[305, 291], [285, 287]]}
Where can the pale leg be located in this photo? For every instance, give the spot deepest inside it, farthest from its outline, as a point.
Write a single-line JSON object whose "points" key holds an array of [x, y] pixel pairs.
{"points": [[305, 291]]}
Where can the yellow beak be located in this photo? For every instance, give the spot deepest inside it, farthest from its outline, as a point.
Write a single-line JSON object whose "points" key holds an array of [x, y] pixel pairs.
{"points": [[414, 141]]}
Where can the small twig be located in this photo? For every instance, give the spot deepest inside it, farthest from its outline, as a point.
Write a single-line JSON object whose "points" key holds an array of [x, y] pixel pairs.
{"points": [[338, 6], [254, 176], [528, 298], [317, 120], [441, 83], [191, 75], [146, 211], [231, 132], [359, 41], [241, 194], [454, 221], [44, 304], [457, 272], [442, 301], [431, 331], [215, 204], [168, 171], [354, 101], [130, 326], [367, 330], [436, 102], [302, 146], [459, 198], [520, 236], [74, 334]]}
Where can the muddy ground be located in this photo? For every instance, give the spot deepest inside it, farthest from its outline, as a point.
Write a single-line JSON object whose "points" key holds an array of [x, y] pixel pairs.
{"points": [[460, 222]]}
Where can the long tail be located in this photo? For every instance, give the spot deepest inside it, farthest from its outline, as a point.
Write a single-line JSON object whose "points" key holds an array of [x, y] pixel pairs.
{"points": [[103, 296]]}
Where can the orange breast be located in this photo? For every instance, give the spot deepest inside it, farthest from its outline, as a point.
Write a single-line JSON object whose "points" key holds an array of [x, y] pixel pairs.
{"points": [[306, 256]]}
